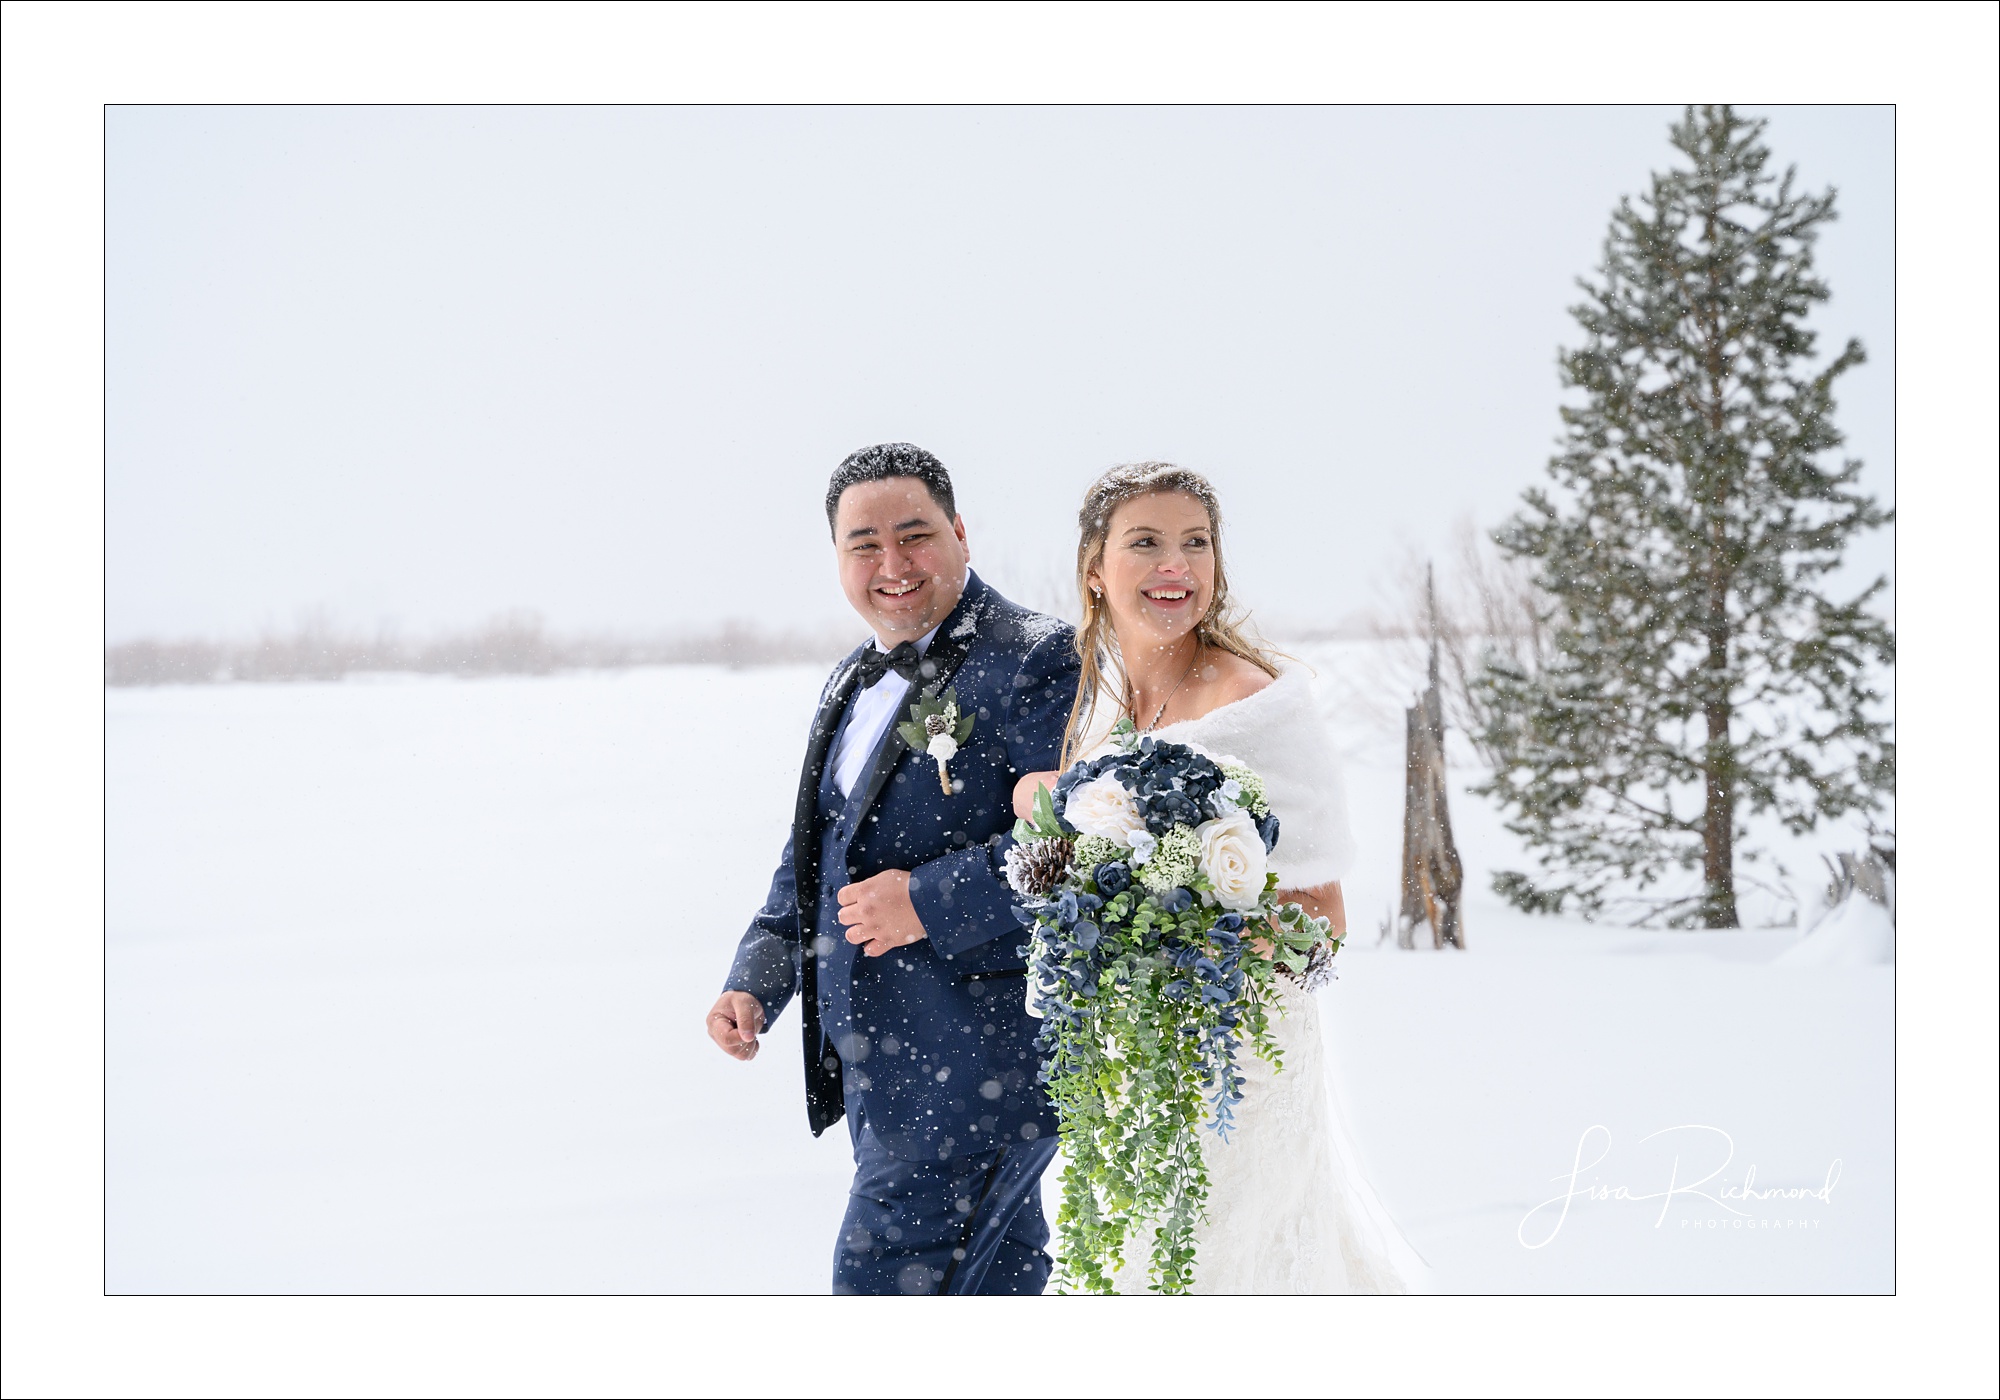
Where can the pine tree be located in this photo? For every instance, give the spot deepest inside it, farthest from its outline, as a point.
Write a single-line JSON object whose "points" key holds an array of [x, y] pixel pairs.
{"points": [[1699, 672]]}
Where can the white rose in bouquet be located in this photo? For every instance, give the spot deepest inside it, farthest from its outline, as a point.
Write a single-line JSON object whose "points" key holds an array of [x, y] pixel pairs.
{"points": [[1234, 860], [1102, 807]]}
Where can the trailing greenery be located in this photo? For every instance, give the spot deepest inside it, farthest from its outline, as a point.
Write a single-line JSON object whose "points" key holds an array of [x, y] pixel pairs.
{"points": [[1148, 993]]}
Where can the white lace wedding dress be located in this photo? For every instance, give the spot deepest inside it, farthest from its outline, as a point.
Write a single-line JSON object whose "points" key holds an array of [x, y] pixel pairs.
{"points": [[1289, 1209]]}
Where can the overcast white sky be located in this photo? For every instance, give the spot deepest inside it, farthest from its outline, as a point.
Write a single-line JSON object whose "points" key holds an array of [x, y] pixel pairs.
{"points": [[424, 365]]}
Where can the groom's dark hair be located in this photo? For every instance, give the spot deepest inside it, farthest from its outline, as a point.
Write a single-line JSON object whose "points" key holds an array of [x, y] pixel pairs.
{"points": [[887, 459]]}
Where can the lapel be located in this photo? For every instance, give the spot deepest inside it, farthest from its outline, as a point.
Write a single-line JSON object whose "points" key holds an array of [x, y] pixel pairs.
{"points": [[825, 1094], [805, 809], [947, 653]]}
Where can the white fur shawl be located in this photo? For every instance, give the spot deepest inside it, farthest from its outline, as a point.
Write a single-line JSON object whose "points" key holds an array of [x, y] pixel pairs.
{"points": [[1279, 733]]}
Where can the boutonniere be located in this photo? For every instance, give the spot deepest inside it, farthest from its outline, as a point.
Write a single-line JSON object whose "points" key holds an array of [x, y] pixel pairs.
{"points": [[936, 727]]}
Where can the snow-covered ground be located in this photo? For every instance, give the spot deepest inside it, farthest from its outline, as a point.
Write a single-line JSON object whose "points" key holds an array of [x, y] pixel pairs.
{"points": [[405, 983]]}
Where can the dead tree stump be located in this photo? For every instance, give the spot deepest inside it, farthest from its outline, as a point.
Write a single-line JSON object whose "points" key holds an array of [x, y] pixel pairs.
{"points": [[1433, 878]]}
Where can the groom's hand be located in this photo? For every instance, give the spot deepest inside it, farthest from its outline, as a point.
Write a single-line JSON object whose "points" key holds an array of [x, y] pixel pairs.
{"points": [[878, 913], [733, 1023]]}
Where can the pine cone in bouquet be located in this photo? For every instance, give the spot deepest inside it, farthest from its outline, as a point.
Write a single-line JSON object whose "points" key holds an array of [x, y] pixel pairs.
{"points": [[1035, 868]]}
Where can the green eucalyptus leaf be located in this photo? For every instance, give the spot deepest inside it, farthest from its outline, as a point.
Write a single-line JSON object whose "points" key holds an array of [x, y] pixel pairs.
{"points": [[1045, 811]]}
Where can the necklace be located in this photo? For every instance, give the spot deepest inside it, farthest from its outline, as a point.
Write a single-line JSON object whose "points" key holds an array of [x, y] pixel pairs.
{"points": [[1175, 691]]}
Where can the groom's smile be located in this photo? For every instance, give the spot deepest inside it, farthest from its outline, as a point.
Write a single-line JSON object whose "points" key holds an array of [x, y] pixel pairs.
{"points": [[902, 559]]}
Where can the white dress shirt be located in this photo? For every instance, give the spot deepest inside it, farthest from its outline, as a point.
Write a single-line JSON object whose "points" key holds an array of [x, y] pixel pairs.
{"points": [[875, 709]]}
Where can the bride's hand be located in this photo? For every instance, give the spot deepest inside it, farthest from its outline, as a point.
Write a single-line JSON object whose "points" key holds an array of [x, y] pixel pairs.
{"points": [[1024, 791], [1319, 902]]}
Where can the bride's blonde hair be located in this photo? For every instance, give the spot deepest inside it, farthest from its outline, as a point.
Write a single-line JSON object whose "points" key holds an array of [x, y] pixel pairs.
{"points": [[1223, 626]]}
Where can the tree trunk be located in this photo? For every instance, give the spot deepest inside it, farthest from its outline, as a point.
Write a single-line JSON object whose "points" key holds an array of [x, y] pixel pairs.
{"points": [[1412, 912], [1718, 825], [1433, 877], [1718, 820]]}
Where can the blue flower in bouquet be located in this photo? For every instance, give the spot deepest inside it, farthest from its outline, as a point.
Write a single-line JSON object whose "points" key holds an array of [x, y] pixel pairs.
{"points": [[1177, 900], [1169, 809], [1112, 878], [1073, 904], [1172, 784], [1267, 828]]}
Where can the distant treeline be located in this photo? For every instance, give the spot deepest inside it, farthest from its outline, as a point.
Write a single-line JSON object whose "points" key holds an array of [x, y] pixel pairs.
{"points": [[514, 645]]}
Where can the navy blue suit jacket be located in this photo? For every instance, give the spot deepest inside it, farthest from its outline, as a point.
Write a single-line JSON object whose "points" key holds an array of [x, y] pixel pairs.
{"points": [[931, 1042]]}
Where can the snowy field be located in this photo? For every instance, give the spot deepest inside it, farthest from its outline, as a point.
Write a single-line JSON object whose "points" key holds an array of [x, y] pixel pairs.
{"points": [[406, 977]]}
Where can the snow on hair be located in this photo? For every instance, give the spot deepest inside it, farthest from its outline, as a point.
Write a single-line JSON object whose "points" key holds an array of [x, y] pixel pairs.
{"points": [[887, 459]]}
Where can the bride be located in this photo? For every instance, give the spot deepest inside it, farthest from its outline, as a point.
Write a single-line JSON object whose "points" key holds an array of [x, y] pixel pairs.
{"points": [[1288, 1209]]}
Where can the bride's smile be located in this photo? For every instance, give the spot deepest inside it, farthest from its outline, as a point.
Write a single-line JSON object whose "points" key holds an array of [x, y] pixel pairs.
{"points": [[1157, 576], [1158, 571]]}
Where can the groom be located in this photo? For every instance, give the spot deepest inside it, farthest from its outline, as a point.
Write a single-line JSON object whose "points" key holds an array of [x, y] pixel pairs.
{"points": [[890, 917]]}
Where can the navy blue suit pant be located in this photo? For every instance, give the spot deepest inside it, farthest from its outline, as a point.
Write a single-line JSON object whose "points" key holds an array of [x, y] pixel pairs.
{"points": [[971, 1224]]}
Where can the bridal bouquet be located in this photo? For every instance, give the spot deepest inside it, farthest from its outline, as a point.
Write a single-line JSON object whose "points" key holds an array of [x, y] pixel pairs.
{"points": [[1157, 942]]}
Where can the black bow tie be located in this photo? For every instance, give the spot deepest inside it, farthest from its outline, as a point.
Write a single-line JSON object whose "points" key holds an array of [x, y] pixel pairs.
{"points": [[905, 660]]}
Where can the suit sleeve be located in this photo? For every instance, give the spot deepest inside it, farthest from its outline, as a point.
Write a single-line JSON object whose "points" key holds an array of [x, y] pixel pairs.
{"points": [[767, 961], [767, 957], [963, 899]]}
